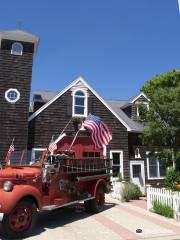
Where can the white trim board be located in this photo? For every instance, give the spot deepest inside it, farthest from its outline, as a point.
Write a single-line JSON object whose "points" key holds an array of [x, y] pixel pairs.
{"points": [[138, 96], [121, 164], [35, 114], [140, 162], [158, 168]]}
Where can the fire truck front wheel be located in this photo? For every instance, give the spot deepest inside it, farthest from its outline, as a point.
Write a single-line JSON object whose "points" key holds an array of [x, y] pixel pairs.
{"points": [[19, 222], [97, 204]]}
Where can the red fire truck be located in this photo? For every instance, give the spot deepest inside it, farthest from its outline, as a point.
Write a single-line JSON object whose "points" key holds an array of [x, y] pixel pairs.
{"points": [[50, 182]]}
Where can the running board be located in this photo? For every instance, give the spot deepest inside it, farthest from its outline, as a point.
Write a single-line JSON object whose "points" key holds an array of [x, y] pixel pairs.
{"points": [[52, 207]]}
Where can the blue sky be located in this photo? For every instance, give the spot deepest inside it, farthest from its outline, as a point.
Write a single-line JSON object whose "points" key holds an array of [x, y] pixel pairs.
{"points": [[116, 45]]}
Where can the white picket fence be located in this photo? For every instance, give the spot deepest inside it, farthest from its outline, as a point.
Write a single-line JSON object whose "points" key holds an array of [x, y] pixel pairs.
{"points": [[165, 196]]}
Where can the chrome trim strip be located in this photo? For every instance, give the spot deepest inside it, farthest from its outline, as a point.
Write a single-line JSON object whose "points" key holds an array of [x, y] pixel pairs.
{"points": [[1, 216], [52, 207]]}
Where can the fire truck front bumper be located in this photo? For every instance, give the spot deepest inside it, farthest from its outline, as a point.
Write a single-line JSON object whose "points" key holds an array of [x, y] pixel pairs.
{"points": [[1, 216]]}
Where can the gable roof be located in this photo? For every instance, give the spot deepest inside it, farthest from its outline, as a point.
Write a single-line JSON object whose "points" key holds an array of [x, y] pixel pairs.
{"points": [[44, 96], [115, 105], [132, 100], [120, 117]]}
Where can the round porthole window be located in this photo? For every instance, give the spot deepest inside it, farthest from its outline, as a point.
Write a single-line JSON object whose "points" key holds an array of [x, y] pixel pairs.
{"points": [[12, 95]]}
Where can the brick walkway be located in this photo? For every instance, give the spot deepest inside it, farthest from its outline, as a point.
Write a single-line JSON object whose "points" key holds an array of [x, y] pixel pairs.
{"points": [[119, 221]]}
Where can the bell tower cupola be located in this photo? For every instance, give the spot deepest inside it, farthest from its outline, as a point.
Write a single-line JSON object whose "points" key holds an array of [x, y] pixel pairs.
{"points": [[17, 49]]}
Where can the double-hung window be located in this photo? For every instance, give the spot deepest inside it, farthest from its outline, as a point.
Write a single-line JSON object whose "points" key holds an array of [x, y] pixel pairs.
{"points": [[116, 157], [156, 169], [80, 103]]}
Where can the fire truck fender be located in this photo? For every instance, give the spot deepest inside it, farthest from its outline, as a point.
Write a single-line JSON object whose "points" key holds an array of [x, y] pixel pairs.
{"points": [[9, 200], [101, 183]]}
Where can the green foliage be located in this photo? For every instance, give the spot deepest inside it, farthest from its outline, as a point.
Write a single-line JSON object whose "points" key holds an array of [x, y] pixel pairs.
{"points": [[120, 178], [131, 192], [172, 178], [163, 209], [163, 117]]}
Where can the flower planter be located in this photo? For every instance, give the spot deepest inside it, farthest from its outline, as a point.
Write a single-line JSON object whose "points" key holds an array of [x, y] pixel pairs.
{"points": [[117, 189]]}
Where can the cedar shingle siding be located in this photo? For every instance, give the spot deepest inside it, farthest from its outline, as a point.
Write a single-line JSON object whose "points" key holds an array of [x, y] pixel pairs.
{"points": [[15, 72], [53, 119]]}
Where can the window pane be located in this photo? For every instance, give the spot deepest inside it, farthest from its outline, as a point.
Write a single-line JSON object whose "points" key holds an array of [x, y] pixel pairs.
{"points": [[136, 171], [79, 93], [38, 154], [85, 154], [152, 161], [116, 171], [153, 166], [12, 95], [153, 171], [97, 154], [116, 158], [91, 154], [79, 101], [17, 49], [79, 110], [162, 170]]}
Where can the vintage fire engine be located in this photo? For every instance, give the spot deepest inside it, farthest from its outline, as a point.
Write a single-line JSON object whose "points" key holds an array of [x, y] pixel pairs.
{"points": [[52, 181]]}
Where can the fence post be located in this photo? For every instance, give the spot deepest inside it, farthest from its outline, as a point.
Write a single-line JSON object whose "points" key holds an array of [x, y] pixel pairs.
{"points": [[148, 197], [174, 205]]}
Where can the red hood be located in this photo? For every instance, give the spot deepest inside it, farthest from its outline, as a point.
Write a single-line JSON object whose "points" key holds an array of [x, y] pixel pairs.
{"points": [[20, 172]]}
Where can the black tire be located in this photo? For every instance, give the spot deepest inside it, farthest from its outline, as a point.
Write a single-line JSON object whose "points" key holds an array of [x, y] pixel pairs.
{"points": [[26, 212], [96, 205]]}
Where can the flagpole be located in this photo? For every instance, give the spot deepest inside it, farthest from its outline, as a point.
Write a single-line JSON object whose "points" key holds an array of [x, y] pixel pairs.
{"points": [[51, 142], [65, 127], [8, 155], [74, 139]]}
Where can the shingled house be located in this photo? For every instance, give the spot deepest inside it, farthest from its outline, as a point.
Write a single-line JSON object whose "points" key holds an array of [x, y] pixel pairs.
{"points": [[50, 112]]}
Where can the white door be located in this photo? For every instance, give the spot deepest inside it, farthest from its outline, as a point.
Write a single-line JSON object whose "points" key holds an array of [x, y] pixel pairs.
{"points": [[137, 174]]}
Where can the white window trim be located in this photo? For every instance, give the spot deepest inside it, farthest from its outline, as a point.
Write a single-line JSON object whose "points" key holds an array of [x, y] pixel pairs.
{"points": [[141, 162], [138, 96], [33, 152], [137, 106], [9, 100], [85, 103], [137, 156], [15, 52], [121, 161], [148, 174]]}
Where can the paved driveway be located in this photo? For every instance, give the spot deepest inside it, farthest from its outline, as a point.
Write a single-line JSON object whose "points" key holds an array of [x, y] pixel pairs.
{"points": [[118, 221]]}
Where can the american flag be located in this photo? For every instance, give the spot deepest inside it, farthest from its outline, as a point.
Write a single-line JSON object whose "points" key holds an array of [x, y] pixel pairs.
{"points": [[52, 147], [100, 133], [11, 148]]}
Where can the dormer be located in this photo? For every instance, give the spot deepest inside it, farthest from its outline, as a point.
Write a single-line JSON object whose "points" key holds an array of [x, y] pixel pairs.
{"points": [[141, 98]]}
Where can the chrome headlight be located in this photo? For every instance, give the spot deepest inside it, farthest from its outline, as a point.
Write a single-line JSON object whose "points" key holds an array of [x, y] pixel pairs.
{"points": [[8, 186]]}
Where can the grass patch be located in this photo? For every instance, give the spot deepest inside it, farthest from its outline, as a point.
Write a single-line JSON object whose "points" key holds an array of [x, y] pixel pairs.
{"points": [[163, 209]]}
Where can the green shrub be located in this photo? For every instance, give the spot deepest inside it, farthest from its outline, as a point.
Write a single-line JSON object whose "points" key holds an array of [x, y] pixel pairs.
{"points": [[120, 178], [136, 192], [131, 192], [172, 178], [163, 209]]}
